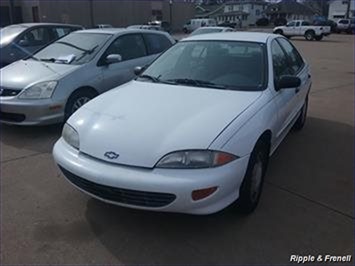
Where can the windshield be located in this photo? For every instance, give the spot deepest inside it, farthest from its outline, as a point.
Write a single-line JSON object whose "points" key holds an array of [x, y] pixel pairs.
{"points": [[211, 64], [75, 48], [205, 30], [8, 33]]}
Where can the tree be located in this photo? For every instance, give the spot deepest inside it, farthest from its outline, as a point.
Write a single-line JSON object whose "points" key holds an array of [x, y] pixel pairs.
{"points": [[321, 7]]}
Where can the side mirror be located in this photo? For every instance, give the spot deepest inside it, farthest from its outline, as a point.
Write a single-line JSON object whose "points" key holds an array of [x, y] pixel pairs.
{"points": [[113, 58], [138, 70], [287, 82], [24, 43]]}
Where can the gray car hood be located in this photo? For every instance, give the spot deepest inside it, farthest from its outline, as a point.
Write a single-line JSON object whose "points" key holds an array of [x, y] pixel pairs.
{"points": [[24, 73]]}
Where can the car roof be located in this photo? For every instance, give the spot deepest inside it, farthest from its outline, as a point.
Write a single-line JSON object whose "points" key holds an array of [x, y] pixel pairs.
{"points": [[114, 31], [28, 25], [232, 36]]}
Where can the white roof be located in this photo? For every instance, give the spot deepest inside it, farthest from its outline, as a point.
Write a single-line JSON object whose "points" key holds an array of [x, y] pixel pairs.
{"points": [[233, 36]]}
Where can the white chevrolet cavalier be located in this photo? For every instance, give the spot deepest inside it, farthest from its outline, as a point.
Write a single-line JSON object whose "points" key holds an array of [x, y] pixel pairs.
{"points": [[194, 131]]}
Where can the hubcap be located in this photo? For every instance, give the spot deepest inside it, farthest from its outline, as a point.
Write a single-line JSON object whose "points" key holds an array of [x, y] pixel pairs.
{"points": [[79, 103], [256, 178]]}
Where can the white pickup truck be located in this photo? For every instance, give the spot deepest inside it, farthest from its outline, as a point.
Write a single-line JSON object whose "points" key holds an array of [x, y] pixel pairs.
{"points": [[303, 28]]}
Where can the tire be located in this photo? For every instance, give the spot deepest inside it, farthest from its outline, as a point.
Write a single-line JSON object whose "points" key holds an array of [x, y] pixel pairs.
{"points": [[280, 32], [251, 188], [309, 35], [301, 120], [77, 100], [318, 38]]}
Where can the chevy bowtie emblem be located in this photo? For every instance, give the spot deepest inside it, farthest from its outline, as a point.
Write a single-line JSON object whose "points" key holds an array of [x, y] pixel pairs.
{"points": [[111, 155]]}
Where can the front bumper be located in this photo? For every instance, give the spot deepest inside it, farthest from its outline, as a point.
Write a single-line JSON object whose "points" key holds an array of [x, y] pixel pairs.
{"points": [[30, 112], [175, 184]]}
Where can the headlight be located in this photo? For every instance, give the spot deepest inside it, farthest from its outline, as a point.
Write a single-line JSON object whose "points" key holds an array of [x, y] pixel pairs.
{"points": [[195, 159], [43, 90], [71, 136]]}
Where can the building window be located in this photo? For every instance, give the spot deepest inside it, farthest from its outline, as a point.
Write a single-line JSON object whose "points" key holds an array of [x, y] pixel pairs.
{"points": [[252, 6], [257, 12]]}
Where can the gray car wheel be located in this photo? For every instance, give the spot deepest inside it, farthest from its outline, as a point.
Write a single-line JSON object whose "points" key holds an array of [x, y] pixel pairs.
{"points": [[77, 100]]}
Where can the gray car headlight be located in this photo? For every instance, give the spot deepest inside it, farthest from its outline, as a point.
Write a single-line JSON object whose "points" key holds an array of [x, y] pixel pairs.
{"points": [[42, 90], [195, 159], [71, 136]]}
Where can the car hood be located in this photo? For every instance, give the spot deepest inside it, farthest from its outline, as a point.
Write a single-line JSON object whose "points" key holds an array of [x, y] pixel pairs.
{"points": [[24, 73], [141, 121]]}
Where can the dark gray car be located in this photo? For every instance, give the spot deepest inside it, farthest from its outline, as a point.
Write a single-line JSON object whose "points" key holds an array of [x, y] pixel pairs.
{"points": [[21, 40]]}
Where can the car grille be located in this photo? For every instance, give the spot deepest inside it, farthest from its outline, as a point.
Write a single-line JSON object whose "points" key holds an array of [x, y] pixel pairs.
{"points": [[6, 92], [121, 195], [11, 117]]}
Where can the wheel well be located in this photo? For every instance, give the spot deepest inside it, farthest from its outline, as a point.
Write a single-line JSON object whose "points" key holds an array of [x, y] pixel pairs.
{"points": [[85, 88], [265, 138]]}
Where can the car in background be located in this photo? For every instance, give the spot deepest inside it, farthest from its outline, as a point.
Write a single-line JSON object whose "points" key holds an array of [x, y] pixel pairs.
{"points": [[194, 132], [164, 25], [205, 30], [330, 23], [303, 28], [194, 24], [146, 27], [21, 40], [103, 26], [52, 84], [346, 25], [228, 24]]}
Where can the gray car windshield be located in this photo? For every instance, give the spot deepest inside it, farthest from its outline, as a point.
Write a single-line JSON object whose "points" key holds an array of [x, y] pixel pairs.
{"points": [[229, 65], [75, 48], [8, 33]]}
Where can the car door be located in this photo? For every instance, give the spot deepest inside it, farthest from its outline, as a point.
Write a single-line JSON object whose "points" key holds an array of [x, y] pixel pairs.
{"points": [[290, 28], [286, 99], [299, 69], [132, 49]]}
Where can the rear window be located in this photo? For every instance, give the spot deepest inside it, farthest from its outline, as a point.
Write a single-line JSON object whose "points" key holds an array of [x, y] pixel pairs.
{"points": [[156, 43]]}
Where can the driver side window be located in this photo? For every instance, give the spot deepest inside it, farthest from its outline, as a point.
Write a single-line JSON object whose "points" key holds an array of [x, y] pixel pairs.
{"points": [[280, 62]]}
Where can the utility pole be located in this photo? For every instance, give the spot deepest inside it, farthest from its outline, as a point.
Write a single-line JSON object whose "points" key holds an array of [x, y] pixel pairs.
{"points": [[92, 21], [348, 9], [171, 13], [11, 11]]}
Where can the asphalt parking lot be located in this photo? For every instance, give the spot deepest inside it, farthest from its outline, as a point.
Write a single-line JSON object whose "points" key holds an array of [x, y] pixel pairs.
{"points": [[307, 207]]}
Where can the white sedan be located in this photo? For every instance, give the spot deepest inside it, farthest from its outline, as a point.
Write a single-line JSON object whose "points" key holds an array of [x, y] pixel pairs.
{"points": [[194, 131]]}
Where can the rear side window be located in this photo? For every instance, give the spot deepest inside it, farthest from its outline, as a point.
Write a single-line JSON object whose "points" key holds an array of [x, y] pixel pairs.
{"points": [[305, 23], [156, 43], [295, 59], [62, 31], [129, 46]]}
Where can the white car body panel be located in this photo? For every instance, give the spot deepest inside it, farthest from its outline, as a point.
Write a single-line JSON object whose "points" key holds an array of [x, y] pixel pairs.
{"points": [[198, 113]]}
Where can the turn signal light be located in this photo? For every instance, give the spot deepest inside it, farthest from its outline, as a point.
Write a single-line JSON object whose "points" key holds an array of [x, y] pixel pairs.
{"points": [[202, 193]]}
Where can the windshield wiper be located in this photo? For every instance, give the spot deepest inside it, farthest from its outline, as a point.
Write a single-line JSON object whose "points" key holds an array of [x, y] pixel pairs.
{"points": [[197, 83], [76, 47], [154, 79]]}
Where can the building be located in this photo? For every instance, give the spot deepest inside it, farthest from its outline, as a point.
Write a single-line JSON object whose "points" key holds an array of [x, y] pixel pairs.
{"points": [[289, 10], [338, 9], [246, 11], [119, 13]]}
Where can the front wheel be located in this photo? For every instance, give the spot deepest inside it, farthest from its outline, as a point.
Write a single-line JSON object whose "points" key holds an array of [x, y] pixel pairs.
{"points": [[251, 188], [309, 35], [77, 100]]}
